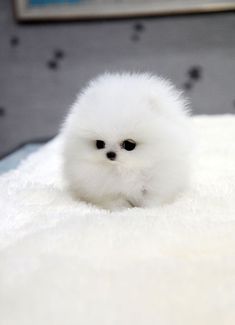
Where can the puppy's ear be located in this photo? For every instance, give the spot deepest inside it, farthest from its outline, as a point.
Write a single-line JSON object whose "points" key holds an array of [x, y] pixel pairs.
{"points": [[167, 99], [153, 102], [156, 103]]}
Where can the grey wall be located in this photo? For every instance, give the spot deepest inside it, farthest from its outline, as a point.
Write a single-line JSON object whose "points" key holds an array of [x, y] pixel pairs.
{"points": [[34, 98]]}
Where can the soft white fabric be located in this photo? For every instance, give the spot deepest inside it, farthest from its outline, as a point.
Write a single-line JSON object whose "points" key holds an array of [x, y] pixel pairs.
{"points": [[65, 262]]}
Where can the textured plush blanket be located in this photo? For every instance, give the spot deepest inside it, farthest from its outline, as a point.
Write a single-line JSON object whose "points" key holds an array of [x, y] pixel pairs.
{"points": [[65, 262]]}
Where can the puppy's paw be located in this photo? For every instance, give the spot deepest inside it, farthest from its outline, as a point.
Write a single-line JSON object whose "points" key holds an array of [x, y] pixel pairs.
{"points": [[117, 205]]}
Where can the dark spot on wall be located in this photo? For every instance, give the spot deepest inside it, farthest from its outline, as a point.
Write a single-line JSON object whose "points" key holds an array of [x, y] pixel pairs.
{"points": [[14, 41], [139, 27], [59, 54], [187, 85], [2, 111], [195, 73], [52, 64]]}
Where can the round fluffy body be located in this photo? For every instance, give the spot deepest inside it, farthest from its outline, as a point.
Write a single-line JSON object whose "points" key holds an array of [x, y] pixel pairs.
{"points": [[144, 109]]}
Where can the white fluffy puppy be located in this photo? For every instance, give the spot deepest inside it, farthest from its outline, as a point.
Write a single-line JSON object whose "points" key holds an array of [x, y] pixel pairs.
{"points": [[127, 142]]}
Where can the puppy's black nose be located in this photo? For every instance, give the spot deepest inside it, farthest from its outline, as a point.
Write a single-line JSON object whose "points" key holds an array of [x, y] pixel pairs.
{"points": [[111, 155]]}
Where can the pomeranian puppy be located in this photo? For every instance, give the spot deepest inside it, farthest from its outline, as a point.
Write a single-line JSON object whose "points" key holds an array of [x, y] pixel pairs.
{"points": [[127, 142]]}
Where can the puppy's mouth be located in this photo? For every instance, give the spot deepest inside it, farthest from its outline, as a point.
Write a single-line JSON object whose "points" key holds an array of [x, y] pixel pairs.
{"points": [[112, 161]]}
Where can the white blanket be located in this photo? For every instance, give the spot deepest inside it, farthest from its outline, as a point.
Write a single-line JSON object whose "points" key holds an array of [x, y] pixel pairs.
{"points": [[64, 262]]}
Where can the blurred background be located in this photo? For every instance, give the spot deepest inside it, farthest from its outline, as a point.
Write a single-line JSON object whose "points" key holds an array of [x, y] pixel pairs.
{"points": [[47, 55]]}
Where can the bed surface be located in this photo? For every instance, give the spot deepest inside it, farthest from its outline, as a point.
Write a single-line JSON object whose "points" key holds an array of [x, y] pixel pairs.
{"points": [[66, 262]]}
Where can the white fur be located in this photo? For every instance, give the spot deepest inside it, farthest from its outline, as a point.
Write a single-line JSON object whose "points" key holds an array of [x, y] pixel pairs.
{"points": [[115, 107]]}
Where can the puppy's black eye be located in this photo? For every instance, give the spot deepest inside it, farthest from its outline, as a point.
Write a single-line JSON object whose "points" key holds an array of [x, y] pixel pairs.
{"points": [[100, 144], [128, 145]]}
